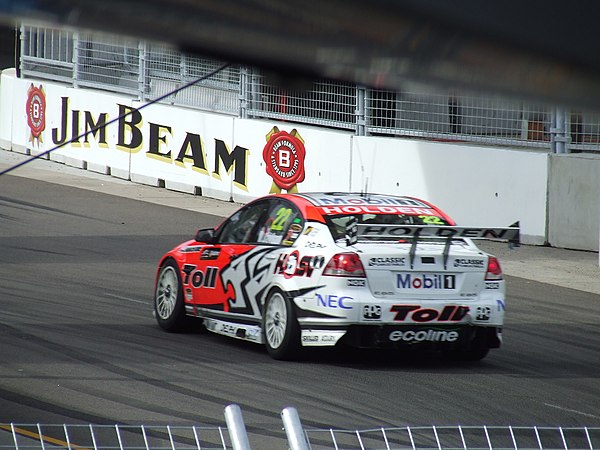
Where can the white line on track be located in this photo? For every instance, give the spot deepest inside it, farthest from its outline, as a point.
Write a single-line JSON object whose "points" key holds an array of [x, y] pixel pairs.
{"points": [[133, 300], [572, 411]]}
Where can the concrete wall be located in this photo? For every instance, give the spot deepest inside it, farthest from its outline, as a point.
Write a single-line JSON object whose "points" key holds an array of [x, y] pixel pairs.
{"points": [[574, 201], [477, 186], [555, 198]]}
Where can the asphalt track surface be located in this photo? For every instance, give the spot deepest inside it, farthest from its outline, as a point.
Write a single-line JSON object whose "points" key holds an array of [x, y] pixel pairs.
{"points": [[78, 343]]}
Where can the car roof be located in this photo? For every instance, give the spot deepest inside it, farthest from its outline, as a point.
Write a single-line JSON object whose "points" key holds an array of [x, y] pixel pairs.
{"points": [[357, 198], [316, 205]]}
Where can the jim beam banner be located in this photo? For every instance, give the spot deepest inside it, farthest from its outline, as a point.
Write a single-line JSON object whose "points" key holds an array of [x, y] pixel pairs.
{"points": [[35, 108], [284, 156]]}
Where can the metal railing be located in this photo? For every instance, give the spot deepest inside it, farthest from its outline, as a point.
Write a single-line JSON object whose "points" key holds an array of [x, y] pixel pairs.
{"points": [[146, 70], [112, 437], [456, 437], [127, 437], [234, 436], [439, 437]]}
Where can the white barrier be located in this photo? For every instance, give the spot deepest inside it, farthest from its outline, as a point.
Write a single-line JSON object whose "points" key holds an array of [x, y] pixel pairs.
{"points": [[7, 80], [234, 159], [476, 186]]}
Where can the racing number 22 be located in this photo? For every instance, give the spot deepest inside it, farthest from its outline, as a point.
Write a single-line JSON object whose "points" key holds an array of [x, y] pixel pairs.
{"points": [[431, 220], [281, 217]]}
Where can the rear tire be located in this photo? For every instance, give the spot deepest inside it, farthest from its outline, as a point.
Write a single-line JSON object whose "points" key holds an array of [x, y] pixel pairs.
{"points": [[468, 354], [475, 349], [169, 308], [281, 331]]}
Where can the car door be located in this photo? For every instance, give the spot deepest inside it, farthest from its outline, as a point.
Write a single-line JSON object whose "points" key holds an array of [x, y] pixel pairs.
{"points": [[238, 268], [203, 278]]}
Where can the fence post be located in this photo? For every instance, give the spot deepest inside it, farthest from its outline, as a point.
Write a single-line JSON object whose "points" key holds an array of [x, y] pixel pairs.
{"points": [[236, 428], [22, 40], [244, 92], [293, 429], [254, 93], [75, 59], [361, 119], [559, 130], [142, 70]]}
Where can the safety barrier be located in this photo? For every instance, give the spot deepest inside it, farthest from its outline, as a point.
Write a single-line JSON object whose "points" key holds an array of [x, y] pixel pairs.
{"points": [[233, 436]]}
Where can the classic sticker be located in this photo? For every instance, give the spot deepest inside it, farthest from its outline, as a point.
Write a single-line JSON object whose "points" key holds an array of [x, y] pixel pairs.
{"points": [[465, 262], [387, 261]]}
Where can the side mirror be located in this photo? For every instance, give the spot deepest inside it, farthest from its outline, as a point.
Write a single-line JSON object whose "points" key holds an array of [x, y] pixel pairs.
{"points": [[205, 235]]}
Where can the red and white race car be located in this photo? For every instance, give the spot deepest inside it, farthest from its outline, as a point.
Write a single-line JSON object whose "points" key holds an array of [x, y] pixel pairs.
{"points": [[325, 269]]}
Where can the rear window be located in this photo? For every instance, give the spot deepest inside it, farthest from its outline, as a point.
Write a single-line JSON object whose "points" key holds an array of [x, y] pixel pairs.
{"points": [[337, 223]]}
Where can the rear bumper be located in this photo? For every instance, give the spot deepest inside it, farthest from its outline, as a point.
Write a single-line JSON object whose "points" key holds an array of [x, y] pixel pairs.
{"points": [[394, 336]]}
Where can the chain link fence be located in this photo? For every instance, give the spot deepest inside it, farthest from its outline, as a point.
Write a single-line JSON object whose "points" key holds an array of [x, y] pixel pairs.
{"points": [[146, 70]]}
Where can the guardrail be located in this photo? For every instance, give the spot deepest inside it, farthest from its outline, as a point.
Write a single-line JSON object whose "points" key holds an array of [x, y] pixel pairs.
{"points": [[233, 436]]}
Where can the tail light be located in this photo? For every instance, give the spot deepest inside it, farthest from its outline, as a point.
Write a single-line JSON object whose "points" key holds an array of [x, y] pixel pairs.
{"points": [[345, 265], [494, 271]]}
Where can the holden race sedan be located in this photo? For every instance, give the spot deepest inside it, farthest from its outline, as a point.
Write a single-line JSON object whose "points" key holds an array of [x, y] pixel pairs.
{"points": [[328, 269]]}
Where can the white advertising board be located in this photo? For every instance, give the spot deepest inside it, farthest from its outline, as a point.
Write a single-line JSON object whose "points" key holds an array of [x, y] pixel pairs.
{"points": [[47, 115], [187, 150]]}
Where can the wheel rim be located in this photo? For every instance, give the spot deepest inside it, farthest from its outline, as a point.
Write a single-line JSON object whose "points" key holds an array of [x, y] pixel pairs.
{"points": [[275, 320], [166, 293]]}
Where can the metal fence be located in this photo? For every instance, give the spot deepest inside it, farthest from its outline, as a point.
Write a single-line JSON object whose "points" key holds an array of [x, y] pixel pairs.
{"points": [[456, 438], [111, 437], [233, 435], [147, 70]]}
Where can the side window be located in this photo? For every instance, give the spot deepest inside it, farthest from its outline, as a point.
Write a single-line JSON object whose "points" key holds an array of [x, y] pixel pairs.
{"points": [[282, 225], [241, 227]]}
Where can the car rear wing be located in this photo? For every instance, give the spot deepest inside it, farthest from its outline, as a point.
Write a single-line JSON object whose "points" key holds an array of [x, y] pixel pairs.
{"points": [[414, 233]]}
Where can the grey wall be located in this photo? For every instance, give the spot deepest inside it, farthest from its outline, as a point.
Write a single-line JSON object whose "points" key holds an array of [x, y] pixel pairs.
{"points": [[574, 201]]}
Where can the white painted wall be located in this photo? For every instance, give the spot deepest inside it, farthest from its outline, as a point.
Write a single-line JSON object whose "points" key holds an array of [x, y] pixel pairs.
{"points": [[173, 126], [476, 186], [6, 105], [327, 155]]}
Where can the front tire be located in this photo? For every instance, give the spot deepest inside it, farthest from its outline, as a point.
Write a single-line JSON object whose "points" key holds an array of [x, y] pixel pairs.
{"points": [[280, 328], [169, 308]]}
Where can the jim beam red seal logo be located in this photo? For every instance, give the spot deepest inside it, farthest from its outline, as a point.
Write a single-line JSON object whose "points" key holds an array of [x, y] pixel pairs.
{"points": [[36, 112], [284, 157]]}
